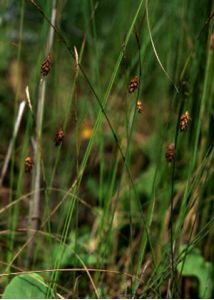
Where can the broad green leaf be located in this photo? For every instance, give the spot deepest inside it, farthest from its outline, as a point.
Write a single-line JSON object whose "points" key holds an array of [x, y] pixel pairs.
{"points": [[196, 266], [26, 286]]}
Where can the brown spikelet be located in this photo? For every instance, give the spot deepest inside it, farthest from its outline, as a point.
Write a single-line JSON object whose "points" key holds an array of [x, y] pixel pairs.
{"points": [[212, 42], [46, 65], [185, 88], [170, 152], [28, 164], [184, 121], [59, 136], [139, 106], [133, 85]]}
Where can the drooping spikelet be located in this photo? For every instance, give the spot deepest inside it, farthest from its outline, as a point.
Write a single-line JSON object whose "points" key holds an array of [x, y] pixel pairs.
{"points": [[212, 42], [185, 88], [184, 121], [133, 84], [139, 106], [170, 152], [28, 164], [46, 65], [59, 136]]}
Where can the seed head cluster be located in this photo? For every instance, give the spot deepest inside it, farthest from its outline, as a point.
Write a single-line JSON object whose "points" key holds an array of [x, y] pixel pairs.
{"points": [[133, 84], [28, 164], [46, 65], [185, 88], [59, 136], [184, 121], [212, 42], [139, 106], [170, 152]]}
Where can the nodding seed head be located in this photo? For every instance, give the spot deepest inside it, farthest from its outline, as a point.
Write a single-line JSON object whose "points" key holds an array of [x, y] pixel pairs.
{"points": [[212, 42], [59, 136], [28, 164], [184, 121], [139, 106], [185, 88], [46, 65], [133, 84], [170, 152]]}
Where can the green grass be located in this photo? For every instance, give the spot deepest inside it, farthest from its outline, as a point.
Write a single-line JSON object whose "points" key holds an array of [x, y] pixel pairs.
{"points": [[115, 219]]}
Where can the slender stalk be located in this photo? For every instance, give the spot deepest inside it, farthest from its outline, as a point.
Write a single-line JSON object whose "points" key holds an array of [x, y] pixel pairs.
{"points": [[35, 201], [13, 139], [155, 51]]}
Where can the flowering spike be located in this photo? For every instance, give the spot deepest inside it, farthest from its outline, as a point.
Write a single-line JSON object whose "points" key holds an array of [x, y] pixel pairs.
{"points": [[184, 121], [212, 42], [133, 85], [46, 65], [28, 164], [139, 106], [59, 136], [170, 152]]}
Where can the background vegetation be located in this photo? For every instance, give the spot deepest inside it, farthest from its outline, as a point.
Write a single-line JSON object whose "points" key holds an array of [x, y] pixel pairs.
{"points": [[104, 214]]}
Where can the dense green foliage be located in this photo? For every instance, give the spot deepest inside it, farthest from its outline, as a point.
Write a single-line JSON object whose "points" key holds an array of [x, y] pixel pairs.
{"points": [[115, 218]]}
